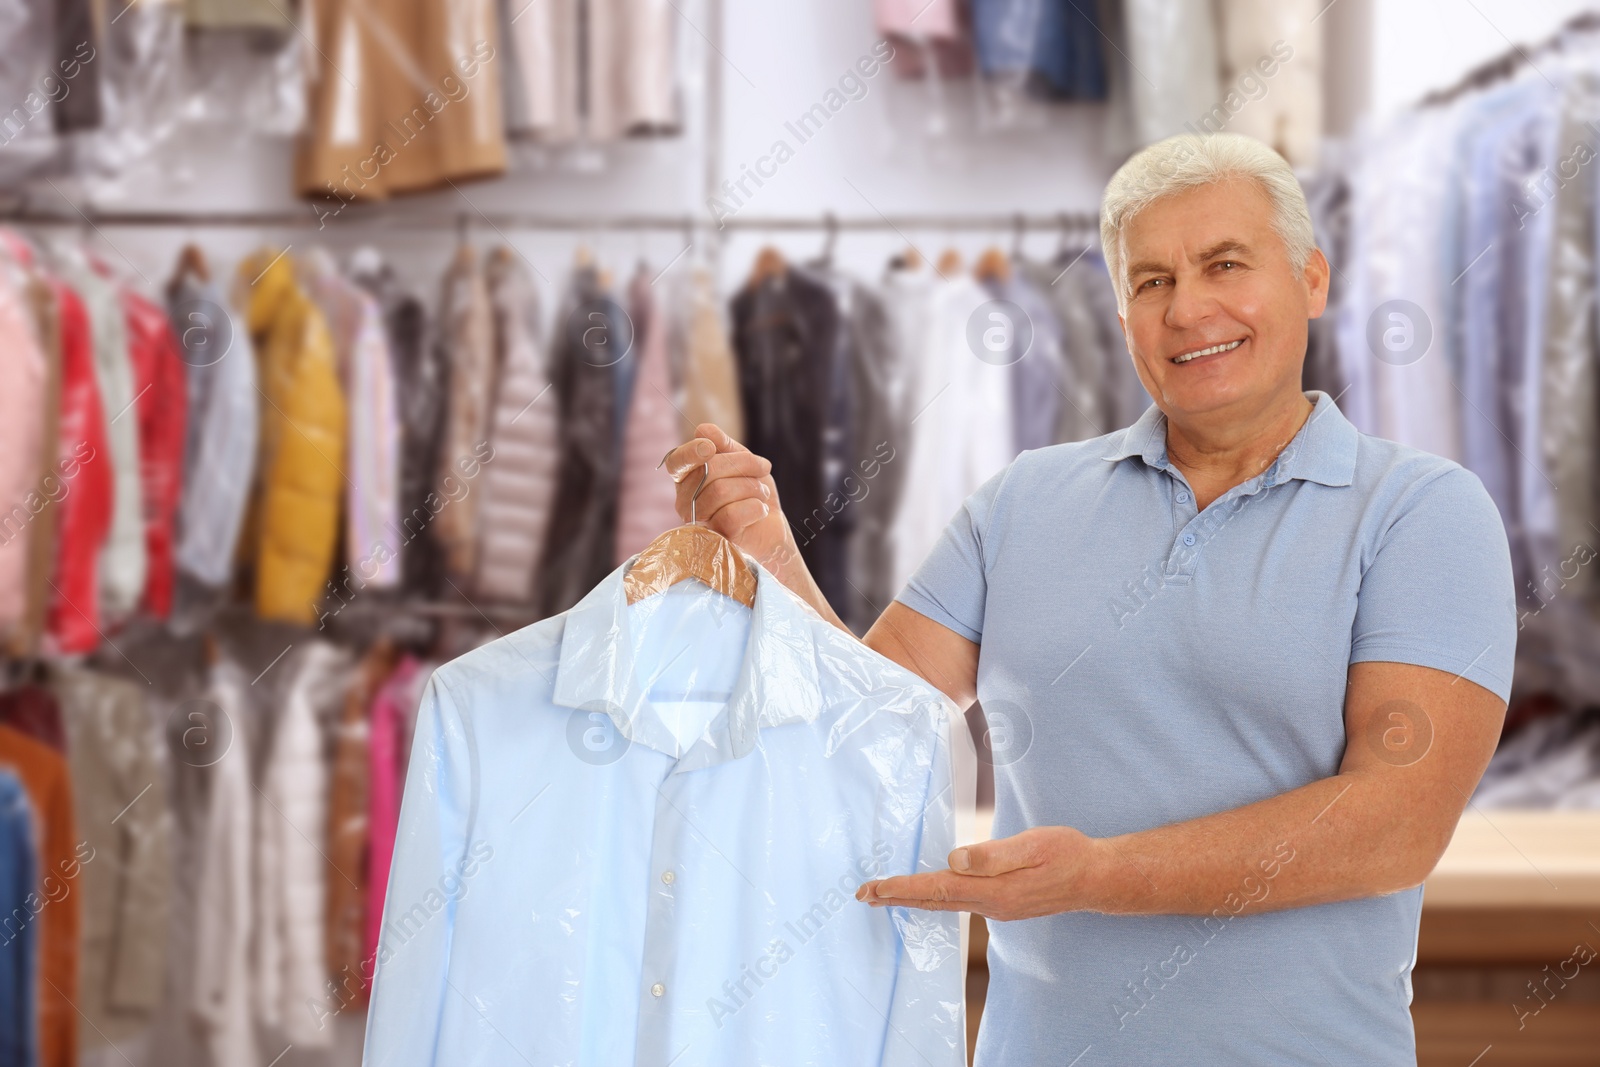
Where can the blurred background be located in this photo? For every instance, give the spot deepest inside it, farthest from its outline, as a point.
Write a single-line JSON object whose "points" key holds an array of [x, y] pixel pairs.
{"points": [[337, 338]]}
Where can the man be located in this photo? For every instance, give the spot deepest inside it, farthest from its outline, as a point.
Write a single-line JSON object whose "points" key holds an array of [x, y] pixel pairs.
{"points": [[1252, 662]]}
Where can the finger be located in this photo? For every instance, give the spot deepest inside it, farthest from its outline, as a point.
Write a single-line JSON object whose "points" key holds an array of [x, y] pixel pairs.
{"points": [[929, 905], [718, 437], [743, 467], [731, 490], [934, 885], [990, 858], [691, 454], [731, 520]]}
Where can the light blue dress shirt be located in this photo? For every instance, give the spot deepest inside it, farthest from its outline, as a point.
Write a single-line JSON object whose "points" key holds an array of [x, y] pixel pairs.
{"points": [[1154, 663], [633, 834]]}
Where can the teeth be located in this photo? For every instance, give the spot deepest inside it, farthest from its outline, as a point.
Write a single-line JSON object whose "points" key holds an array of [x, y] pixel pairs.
{"points": [[1230, 346]]}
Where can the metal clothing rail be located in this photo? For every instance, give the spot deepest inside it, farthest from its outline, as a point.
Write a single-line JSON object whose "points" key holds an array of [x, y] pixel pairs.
{"points": [[516, 220]]}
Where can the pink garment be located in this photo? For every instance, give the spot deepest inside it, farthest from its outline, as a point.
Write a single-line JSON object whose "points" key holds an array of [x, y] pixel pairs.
{"points": [[386, 778], [646, 506], [22, 399], [918, 18]]}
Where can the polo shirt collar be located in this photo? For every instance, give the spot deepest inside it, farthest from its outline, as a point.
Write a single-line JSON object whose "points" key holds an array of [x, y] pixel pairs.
{"points": [[777, 681], [1323, 451]]}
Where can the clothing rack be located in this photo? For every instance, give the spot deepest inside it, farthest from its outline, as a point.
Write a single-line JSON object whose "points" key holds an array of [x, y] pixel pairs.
{"points": [[517, 220], [1509, 62]]}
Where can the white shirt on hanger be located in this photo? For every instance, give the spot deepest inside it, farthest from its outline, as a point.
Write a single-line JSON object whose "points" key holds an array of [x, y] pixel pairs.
{"points": [[632, 835]]}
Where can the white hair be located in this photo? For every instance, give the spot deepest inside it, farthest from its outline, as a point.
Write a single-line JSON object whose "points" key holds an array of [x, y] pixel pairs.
{"points": [[1189, 160]]}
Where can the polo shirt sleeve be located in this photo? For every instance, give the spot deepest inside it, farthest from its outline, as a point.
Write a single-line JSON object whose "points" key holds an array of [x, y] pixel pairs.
{"points": [[1439, 592], [950, 586]]}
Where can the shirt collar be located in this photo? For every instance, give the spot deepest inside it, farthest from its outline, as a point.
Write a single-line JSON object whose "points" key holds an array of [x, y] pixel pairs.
{"points": [[777, 680], [1323, 451]]}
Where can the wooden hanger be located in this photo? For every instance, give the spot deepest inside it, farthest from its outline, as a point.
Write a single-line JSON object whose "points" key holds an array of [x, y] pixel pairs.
{"points": [[910, 259], [950, 262], [992, 266], [769, 264], [191, 263], [690, 551]]}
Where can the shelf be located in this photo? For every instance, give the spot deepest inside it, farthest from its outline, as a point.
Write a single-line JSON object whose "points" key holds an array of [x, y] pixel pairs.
{"points": [[1520, 859]]}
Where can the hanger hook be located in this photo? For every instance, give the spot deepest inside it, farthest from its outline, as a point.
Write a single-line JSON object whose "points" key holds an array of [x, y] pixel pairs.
{"points": [[705, 475]]}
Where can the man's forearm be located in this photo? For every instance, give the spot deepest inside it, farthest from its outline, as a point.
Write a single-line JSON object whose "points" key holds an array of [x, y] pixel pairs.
{"points": [[787, 565], [1334, 839]]}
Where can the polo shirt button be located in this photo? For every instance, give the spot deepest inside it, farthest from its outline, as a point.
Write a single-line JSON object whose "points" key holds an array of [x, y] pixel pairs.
{"points": [[1188, 539], [1183, 496], [668, 877], [658, 990]]}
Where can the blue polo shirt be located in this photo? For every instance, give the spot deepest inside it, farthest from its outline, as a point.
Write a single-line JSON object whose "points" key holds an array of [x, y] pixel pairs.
{"points": [[1144, 663]]}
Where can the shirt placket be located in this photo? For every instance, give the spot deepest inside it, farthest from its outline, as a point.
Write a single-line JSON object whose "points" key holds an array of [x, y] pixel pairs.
{"points": [[658, 995], [1196, 528]]}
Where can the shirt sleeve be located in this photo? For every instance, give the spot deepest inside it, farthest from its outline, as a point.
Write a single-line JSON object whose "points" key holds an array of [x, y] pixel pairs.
{"points": [[1439, 592], [927, 1021], [951, 585], [408, 990]]}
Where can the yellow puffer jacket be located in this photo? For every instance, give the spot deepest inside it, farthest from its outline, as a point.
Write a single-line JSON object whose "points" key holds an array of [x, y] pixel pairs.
{"points": [[301, 475]]}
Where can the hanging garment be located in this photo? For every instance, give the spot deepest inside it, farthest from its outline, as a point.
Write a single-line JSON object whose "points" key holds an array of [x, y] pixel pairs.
{"points": [[404, 98], [422, 381], [1402, 391], [24, 369], [122, 557], [161, 387], [345, 912], [119, 793], [302, 436], [785, 336], [583, 363], [29, 147], [32, 710], [85, 465], [707, 379], [224, 411], [962, 429], [1083, 411], [225, 911], [1272, 73], [1571, 402], [1052, 47], [520, 483], [19, 880], [237, 14], [882, 374], [604, 806], [466, 324], [1176, 60], [48, 486], [43, 773], [647, 496], [542, 69], [372, 449], [386, 760], [1031, 347], [593, 70], [291, 968], [77, 44], [924, 35]]}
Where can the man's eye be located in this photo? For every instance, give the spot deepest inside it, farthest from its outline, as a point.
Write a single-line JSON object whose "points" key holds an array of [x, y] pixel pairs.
{"points": [[1228, 263]]}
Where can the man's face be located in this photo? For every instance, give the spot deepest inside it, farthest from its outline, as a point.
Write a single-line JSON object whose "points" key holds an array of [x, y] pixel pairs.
{"points": [[1206, 269]]}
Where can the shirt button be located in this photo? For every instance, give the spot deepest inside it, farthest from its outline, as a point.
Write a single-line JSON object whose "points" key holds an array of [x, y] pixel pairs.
{"points": [[1188, 539], [1183, 496], [668, 877], [658, 990]]}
